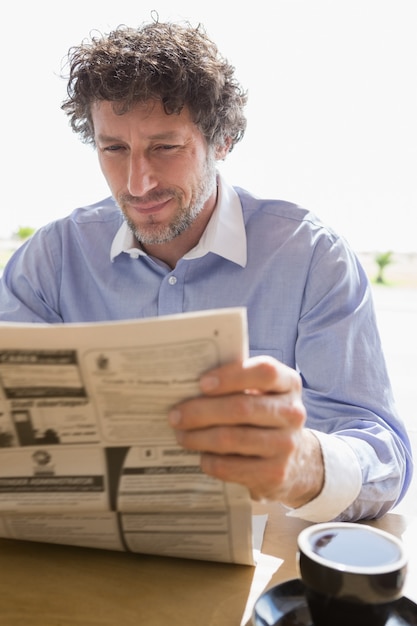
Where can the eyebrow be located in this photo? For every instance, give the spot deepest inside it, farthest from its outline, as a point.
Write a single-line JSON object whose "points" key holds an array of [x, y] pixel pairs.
{"points": [[163, 136]]}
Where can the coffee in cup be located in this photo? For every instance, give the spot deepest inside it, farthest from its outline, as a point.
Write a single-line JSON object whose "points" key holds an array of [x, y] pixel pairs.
{"points": [[351, 573]]}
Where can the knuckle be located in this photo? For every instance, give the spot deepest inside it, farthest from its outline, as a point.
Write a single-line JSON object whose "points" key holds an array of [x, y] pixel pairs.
{"points": [[242, 407], [297, 413], [267, 369], [297, 381]]}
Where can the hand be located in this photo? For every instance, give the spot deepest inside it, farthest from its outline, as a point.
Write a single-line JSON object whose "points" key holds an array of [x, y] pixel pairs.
{"points": [[248, 425]]}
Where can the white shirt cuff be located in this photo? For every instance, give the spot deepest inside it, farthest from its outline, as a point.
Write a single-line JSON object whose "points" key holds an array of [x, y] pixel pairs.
{"points": [[342, 482]]}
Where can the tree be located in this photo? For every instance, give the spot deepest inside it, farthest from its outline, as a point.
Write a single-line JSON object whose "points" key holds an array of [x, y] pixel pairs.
{"points": [[23, 232], [382, 259]]}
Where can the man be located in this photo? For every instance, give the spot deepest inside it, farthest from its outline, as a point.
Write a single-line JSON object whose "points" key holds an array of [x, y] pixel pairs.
{"points": [[309, 419]]}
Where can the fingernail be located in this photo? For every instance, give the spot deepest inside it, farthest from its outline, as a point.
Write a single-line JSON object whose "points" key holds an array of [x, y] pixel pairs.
{"points": [[174, 417], [208, 383]]}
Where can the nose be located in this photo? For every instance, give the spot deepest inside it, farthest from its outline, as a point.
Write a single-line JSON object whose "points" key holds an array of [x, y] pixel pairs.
{"points": [[141, 176]]}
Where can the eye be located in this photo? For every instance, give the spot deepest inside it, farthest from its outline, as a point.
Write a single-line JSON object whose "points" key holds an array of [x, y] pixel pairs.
{"points": [[112, 148], [167, 147]]}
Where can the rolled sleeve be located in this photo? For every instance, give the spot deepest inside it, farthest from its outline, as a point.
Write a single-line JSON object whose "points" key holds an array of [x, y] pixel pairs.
{"points": [[342, 484]]}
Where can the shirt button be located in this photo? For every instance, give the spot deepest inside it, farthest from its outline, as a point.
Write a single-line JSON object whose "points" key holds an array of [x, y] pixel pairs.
{"points": [[172, 280]]}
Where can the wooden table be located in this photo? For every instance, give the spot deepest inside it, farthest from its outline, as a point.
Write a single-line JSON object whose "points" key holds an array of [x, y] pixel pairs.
{"points": [[51, 585]]}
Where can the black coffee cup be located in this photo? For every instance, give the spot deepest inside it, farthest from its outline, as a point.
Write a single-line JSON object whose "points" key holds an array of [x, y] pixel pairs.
{"points": [[351, 572]]}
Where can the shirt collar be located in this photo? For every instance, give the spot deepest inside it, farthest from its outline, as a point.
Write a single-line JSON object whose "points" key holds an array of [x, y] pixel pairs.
{"points": [[224, 235]]}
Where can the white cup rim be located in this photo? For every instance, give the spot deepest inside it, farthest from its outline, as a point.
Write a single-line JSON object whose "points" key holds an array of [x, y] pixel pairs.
{"points": [[305, 547]]}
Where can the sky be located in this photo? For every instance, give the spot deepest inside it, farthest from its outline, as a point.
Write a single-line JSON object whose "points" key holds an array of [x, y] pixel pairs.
{"points": [[332, 110]]}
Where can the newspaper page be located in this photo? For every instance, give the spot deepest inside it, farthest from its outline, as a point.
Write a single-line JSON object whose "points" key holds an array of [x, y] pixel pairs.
{"points": [[87, 456]]}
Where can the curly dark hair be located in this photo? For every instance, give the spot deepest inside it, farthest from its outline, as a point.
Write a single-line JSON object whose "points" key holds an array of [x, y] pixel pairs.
{"points": [[173, 63]]}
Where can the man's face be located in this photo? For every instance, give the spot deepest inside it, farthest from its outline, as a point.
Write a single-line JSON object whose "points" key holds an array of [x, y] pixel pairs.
{"points": [[158, 167]]}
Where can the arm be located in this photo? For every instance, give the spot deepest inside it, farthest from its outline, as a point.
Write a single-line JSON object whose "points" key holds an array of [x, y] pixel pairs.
{"points": [[249, 425], [363, 464], [28, 283]]}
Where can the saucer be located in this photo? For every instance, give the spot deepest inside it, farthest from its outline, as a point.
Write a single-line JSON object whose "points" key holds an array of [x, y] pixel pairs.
{"points": [[286, 605]]}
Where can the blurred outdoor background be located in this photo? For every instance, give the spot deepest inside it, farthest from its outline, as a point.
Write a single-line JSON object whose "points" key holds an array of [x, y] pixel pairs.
{"points": [[332, 126]]}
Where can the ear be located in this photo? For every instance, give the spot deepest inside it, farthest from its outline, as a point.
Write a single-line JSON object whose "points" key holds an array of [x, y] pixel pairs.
{"points": [[223, 150]]}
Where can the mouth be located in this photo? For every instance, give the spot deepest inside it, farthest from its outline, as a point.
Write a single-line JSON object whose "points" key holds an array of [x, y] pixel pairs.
{"points": [[147, 208]]}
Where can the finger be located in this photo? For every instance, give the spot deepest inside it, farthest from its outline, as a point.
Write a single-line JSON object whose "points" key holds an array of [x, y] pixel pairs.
{"points": [[261, 374], [293, 474], [264, 478], [244, 441], [268, 411]]}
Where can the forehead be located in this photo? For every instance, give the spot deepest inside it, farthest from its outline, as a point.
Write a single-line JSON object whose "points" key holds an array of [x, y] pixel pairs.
{"points": [[148, 117]]}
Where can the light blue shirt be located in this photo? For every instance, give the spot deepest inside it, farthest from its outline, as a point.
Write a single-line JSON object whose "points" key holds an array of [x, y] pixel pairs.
{"points": [[308, 301]]}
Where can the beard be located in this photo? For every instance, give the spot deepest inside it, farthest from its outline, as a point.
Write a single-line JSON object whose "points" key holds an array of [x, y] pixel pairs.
{"points": [[154, 233]]}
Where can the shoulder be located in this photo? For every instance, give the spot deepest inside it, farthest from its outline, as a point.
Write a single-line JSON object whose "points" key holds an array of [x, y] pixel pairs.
{"points": [[89, 227], [286, 219], [104, 211], [296, 238], [83, 220]]}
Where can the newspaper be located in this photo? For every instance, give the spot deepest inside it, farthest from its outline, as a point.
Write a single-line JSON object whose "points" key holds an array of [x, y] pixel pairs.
{"points": [[87, 457]]}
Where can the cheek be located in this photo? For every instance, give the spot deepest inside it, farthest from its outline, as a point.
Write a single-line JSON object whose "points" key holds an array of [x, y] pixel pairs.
{"points": [[102, 166], [111, 173], [192, 173]]}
